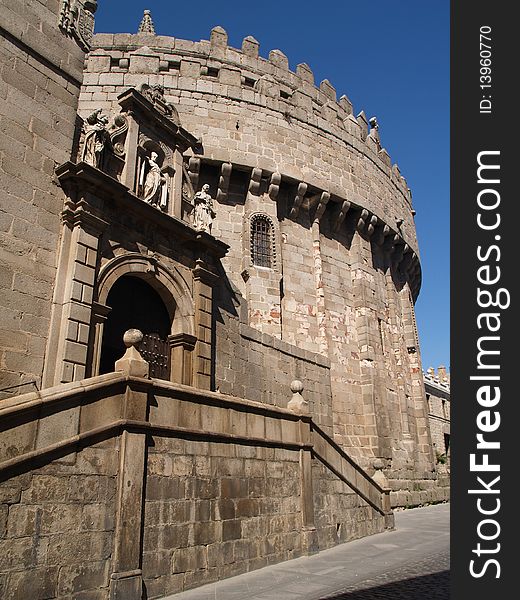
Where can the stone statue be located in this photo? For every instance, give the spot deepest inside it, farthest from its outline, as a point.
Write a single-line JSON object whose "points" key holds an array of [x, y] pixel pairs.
{"points": [[204, 213], [153, 183], [96, 139]]}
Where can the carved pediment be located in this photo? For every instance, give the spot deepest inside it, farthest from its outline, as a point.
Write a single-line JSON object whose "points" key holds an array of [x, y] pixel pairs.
{"points": [[155, 94]]}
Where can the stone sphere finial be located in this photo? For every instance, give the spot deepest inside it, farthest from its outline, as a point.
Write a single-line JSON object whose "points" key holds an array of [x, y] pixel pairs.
{"points": [[378, 464], [132, 337], [296, 386], [297, 403], [132, 363]]}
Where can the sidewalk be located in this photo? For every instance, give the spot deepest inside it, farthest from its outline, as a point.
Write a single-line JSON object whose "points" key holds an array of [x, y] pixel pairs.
{"points": [[409, 563]]}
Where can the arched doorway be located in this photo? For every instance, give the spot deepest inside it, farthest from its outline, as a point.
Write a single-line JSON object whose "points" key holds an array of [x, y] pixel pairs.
{"points": [[135, 304]]}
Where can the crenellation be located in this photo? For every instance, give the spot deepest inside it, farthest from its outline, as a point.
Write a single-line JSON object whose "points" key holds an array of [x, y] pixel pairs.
{"points": [[278, 59], [277, 88]]}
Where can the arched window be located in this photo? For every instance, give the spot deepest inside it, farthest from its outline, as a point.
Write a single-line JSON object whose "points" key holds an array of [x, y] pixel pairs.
{"points": [[262, 254]]}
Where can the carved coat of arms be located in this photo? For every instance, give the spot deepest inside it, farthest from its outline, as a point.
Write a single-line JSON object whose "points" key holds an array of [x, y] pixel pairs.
{"points": [[77, 20]]}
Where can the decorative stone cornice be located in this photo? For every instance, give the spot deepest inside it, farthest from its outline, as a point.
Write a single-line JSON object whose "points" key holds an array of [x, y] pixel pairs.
{"points": [[117, 197]]}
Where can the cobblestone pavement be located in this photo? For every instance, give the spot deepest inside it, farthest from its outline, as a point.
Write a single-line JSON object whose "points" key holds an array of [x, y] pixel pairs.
{"points": [[425, 579], [410, 563]]}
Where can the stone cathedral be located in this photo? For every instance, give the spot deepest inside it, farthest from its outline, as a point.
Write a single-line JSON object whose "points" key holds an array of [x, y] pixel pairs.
{"points": [[208, 353]]}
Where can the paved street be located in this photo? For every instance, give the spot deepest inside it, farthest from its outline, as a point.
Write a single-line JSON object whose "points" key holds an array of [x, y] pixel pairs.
{"points": [[410, 563]]}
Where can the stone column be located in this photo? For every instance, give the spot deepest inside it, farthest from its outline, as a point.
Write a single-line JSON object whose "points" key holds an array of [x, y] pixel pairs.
{"points": [[181, 354], [67, 353], [203, 280], [100, 314], [321, 314], [126, 580], [367, 335], [175, 207], [67, 348], [129, 174]]}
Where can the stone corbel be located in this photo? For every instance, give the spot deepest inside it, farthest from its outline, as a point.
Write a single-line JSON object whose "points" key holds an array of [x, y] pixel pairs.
{"points": [[194, 171], [254, 183], [341, 214], [406, 263], [390, 242], [298, 199], [223, 182], [274, 186], [322, 205], [100, 314], [381, 234], [415, 268], [360, 226], [398, 253], [181, 346], [371, 225]]}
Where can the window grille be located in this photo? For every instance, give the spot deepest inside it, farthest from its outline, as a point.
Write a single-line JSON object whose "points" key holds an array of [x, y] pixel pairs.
{"points": [[262, 242]]}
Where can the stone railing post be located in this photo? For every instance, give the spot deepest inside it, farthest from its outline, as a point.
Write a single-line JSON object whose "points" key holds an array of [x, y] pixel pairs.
{"points": [[300, 406], [126, 581], [380, 478]]}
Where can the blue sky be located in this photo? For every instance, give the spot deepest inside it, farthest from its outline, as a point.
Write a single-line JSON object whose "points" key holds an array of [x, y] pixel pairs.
{"points": [[391, 59]]}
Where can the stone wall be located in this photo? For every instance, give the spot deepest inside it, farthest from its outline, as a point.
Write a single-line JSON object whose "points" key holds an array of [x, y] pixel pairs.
{"points": [[57, 527], [285, 123], [260, 367], [165, 487], [437, 386], [341, 515], [40, 76], [215, 510]]}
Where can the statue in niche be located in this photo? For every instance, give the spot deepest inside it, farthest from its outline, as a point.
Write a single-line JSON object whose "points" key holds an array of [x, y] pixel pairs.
{"points": [[96, 139], [204, 212], [153, 183]]}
